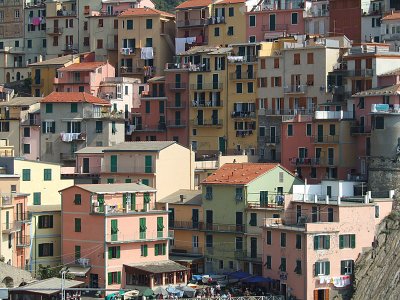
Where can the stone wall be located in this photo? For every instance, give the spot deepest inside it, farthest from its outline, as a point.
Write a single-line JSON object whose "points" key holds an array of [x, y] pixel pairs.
{"points": [[383, 174], [12, 277]]}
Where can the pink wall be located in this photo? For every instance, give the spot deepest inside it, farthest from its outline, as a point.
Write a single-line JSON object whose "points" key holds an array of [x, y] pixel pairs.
{"points": [[388, 80], [34, 141], [94, 163]]}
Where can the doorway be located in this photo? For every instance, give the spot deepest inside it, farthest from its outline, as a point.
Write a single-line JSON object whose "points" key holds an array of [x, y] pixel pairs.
{"points": [[321, 294]]}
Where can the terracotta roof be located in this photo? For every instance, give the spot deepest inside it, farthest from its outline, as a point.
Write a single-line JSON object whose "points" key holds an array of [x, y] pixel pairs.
{"points": [[62, 60], [392, 72], [194, 3], [392, 16], [230, 1], [390, 90], [68, 97], [83, 66], [145, 11], [242, 173]]}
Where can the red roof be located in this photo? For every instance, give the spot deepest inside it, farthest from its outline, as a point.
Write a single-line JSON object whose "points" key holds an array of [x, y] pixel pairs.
{"points": [[83, 66], [239, 173], [69, 97], [392, 16], [194, 3], [144, 11], [230, 1]]}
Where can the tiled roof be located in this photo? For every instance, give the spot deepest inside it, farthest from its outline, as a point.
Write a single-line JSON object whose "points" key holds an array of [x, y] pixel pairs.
{"points": [[21, 101], [239, 173], [230, 1], [83, 66], [145, 11], [392, 16], [188, 197], [194, 3], [116, 188], [91, 150], [69, 97], [140, 146], [157, 267], [62, 60], [390, 90], [390, 73]]}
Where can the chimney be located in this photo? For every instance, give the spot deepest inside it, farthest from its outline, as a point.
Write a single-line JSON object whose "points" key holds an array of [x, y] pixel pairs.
{"points": [[181, 198]]}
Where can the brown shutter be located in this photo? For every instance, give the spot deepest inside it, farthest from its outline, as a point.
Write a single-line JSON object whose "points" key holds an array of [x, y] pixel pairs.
{"points": [[282, 103], [273, 104], [315, 294], [291, 102]]}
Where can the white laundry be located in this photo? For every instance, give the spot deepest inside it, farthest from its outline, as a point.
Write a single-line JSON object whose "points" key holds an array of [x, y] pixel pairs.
{"points": [[147, 53], [180, 45], [190, 40]]}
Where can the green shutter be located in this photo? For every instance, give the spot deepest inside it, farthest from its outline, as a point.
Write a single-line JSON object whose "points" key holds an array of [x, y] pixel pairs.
{"points": [[37, 198], [327, 242], [43, 127], [146, 197], [78, 225], [114, 163], [110, 252], [118, 254], [156, 249], [49, 108], [316, 269], [164, 248], [142, 228], [47, 174], [352, 241], [100, 199], [77, 252], [119, 277], [128, 180], [148, 164], [114, 230], [342, 267], [133, 201], [341, 241], [145, 250], [26, 174], [74, 107], [327, 268], [160, 225], [145, 182], [7, 220], [78, 199], [124, 200], [110, 278], [316, 241]]}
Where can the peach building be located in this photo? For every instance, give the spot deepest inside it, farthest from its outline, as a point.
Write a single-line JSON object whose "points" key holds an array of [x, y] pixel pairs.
{"points": [[83, 77], [311, 251], [114, 238]]}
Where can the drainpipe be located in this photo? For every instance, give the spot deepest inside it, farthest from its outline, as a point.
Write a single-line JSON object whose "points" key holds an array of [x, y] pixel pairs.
{"points": [[105, 250]]}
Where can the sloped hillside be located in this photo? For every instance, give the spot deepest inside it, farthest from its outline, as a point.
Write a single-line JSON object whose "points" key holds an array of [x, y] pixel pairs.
{"points": [[167, 5], [377, 274]]}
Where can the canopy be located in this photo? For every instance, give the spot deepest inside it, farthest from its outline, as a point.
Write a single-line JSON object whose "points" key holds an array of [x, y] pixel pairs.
{"points": [[160, 291], [187, 291], [147, 292], [197, 277], [239, 275], [257, 279], [173, 290]]}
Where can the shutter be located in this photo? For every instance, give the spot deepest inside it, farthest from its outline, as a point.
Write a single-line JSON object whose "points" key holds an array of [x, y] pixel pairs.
{"points": [[160, 225], [124, 199], [327, 268], [223, 63], [156, 249], [353, 241], [109, 278], [113, 163], [164, 248], [119, 277], [327, 242], [51, 222], [43, 127], [342, 267], [273, 104], [316, 269], [282, 103], [51, 249], [145, 250], [133, 201], [118, 252], [291, 101], [53, 127], [315, 294], [215, 63], [341, 241], [316, 240], [326, 294], [110, 253]]}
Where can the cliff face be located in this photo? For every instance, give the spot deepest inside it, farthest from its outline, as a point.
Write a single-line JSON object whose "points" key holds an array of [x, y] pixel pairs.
{"points": [[377, 273]]}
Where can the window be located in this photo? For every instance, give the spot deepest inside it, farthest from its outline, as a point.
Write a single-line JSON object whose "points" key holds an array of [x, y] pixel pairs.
{"points": [[100, 23], [209, 241], [78, 199], [297, 269], [149, 23], [332, 129], [99, 126], [99, 44], [195, 241], [283, 239], [294, 18], [239, 243], [252, 21], [149, 42], [262, 63], [129, 24], [48, 127], [209, 192], [160, 249], [49, 108], [379, 123], [27, 132], [27, 148], [239, 88], [114, 278], [239, 194], [44, 43], [321, 242], [74, 107], [231, 12], [46, 249], [230, 30], [346, 267], [281, 176], [376, 211], [308, 129], [310, 58], [47, 174], [296, 58], [26, 174], [253, 219], [250, 87], [16, 14], [78, 223], [147, 107], [290, 130], [310, 79], [347, 241], [298, 241], [282, 267], [113, 163], [29, 43], [322, 268], [110, 180], [143, 250], [269, 237], [268, 262], [276, 63], [221, 264], [330, 214], [361, 103], [45, 221], [148, 164], [114, 252], [86, 41], [216, 31]]}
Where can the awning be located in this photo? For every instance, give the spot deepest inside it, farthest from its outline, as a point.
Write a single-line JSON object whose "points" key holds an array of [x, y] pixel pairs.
{"points": [[239, 275], [78, 271], [186, 259], [157, 267], [257, 279]]}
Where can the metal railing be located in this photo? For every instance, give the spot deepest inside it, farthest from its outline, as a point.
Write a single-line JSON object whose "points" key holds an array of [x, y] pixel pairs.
{"points": [[326, 139], [186, 225], [208, 122], [243, 255], [23, 240], [242, 75], [359, 130], [360, 73], [206, 86], [176, 123], [185, 250], [67, 156], [191, 22], [153, 235], [240, 228], [177, 85], [276, 27], [174, 105], [204, 103], [305, 161], [54, 30], [243, 114], [289, 112], [301, 88], [244, 132], [159, 127], [271, 139]]}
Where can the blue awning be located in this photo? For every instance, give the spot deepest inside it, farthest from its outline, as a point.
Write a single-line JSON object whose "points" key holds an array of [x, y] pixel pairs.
{"points": [[257, 279], [239, 275]]}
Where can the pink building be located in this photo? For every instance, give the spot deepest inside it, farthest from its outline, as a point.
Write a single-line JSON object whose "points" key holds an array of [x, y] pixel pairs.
{"points": [[114, 238], [275, 19], [310, 252], [83, 77]]}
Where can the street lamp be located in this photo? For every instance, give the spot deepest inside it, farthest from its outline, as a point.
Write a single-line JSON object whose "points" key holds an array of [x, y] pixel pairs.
{"points": [[63, 275]]}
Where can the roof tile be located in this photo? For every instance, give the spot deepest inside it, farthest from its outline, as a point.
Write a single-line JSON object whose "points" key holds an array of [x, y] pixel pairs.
{"points": [[70, 97], [194, 3], [145, 11], [83, 66]]}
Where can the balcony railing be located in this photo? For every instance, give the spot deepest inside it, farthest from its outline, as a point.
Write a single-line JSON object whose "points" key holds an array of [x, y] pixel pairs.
{"points": [[70, 137], [207, 123], [360, 130], [189, 67], [244, 132], [239, 228], [271, 139], [179, 250], [70, 47], [6, 200], [128, 237], [176, 124], [295, 89], [177, 85], [242, 75], [317, 13], [333, 115], [67, 156], [37, 82], [174, 105], [9, 227], [191, 22], [276, 27], [288, 112], [195, 225], [360, 73], [206, 86], [243, 114], [23, 240], [305, 161], [326, 139], [243, 255], [205, 104], [159, 127], [55, 30]]}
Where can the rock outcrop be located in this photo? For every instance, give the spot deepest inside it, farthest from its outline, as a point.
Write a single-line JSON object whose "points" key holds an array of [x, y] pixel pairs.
{"points": [[377, 273]]}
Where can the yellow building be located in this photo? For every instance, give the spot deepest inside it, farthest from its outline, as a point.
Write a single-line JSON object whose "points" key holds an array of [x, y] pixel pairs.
{"points": [[227, 24], [145, 42], [185, 213], [43, 73]]}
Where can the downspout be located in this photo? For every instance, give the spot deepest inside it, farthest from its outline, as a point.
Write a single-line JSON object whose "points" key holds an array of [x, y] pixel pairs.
{"points": [[105, 250]]}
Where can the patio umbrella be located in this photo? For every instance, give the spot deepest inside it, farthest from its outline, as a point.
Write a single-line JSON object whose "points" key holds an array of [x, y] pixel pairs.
{"points": [[148, 292], [160, 291], [187, 291]]}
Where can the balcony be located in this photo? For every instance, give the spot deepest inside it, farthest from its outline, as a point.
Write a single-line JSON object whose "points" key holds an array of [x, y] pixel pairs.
{"points": [[356, 130], [189, 67], [6, 200], [118, 209], [243, 114], [326, 139], [304, 161], [22, 217], [54, 31], [271, 139], [37, 82], [243, 255], [23, 241], [128, 51], [360, 73], [276, 27], [333, 115], [244, 132], [174, 105], [385, 108], [70, 48], [242, 75], [191, 23], [224, 228], [70, 137], [315, 13], [186, 225], [68, 156], [295, 89], [160, 127], [207, 123], [112, 45], [209, 104], [215, 20], [182, 250], [206, 164], [10, 227], [206, 86], [286, 112], [240, 59], [176, 124], [132, 237], [177, 86]]}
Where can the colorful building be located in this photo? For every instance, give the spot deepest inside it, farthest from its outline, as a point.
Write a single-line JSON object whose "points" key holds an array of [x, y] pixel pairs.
{"points": [[316, 19], [230, 244], [131, 258], [311, 251]]}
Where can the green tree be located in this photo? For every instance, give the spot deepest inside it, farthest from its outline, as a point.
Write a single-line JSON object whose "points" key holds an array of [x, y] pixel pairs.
{"points": [[167, 5], [45, 272]]}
